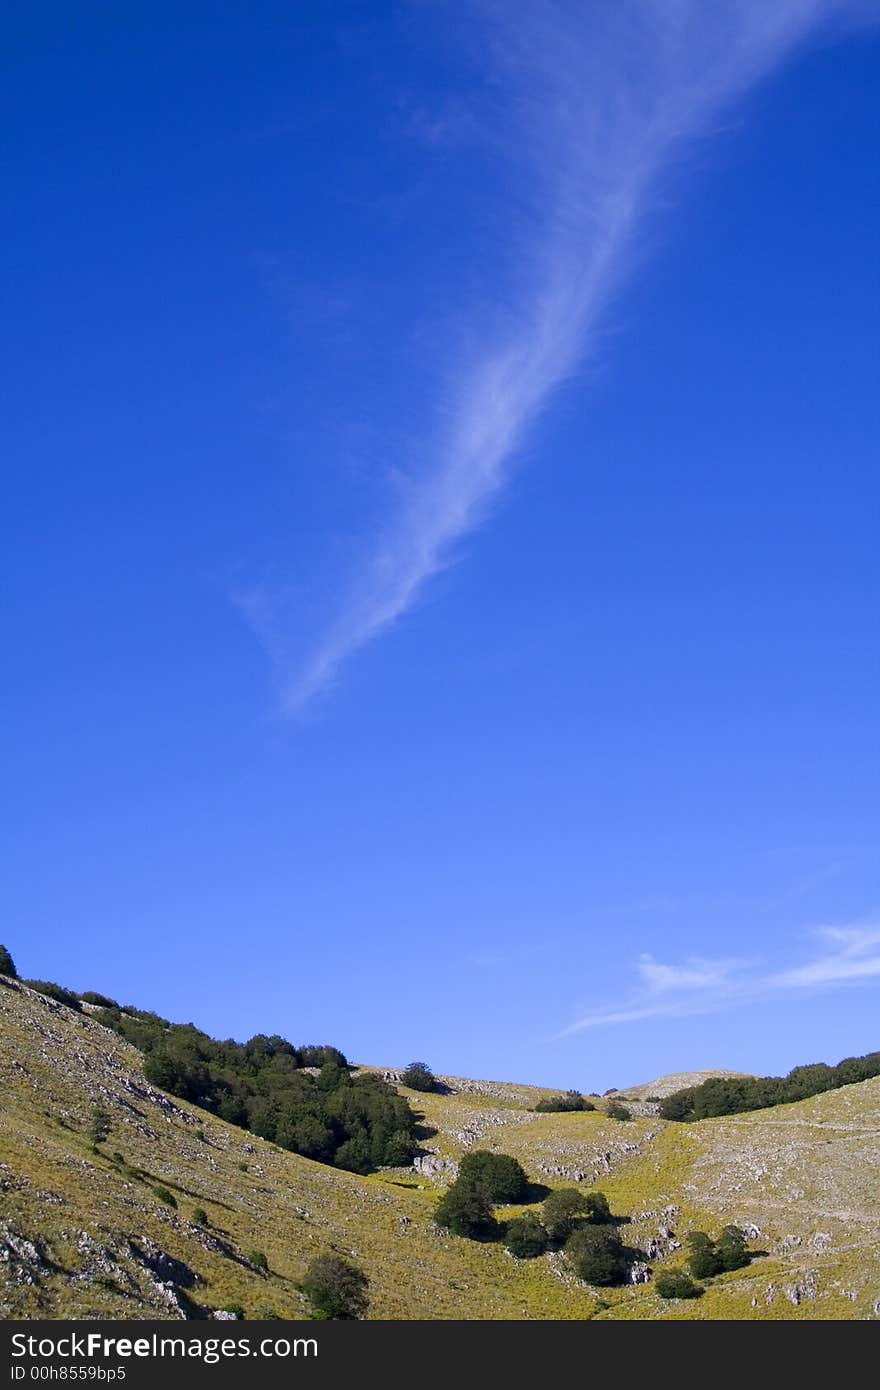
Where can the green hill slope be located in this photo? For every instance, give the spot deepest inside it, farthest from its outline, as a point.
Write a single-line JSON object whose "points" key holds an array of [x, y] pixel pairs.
{"points": [[85, 1234]]}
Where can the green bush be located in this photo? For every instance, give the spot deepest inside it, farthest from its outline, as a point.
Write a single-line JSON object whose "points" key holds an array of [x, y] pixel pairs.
{"points": [[164, 1195], [732, 1248], [259, 1260], [615, 1111], [236, 1309], [499, 1176], [525, 1238], [596, 1255], [567, 1208], [572, 1100], [90, 997], [703, 1258], [336, 1288], [419, 1077], [676, 1283], [200, 1216], [562, 1210], [465, 1210], [7, 965]]}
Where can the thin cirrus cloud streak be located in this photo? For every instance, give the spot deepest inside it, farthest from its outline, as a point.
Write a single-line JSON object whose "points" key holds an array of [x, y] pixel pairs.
{"points": [[700, 986], [596, 102]]}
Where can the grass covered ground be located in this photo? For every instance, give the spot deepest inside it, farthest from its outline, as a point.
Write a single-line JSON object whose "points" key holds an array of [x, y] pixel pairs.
{"points": [[86, 1234]]}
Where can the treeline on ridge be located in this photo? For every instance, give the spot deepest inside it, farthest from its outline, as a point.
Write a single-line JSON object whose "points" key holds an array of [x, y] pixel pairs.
{"points": [[354, 1122], [729, 1095]]}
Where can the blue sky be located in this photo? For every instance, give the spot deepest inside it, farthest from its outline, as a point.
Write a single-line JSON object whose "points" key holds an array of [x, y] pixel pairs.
{"points": [[440, 562]]}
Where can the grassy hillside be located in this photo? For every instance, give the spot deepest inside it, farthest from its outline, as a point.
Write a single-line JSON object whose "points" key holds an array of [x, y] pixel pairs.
{"points": [[85, 1234]]}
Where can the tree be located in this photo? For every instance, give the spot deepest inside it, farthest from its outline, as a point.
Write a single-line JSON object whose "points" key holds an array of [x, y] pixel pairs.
{"points": [[732, 1250], [598, 1209], [99, 1126], [499, 1176], [676, 1283], [400, 1150], [562, 1210], [525, 1237], [596, 1255], [615, 1111], [419, 1077], [336, 1288], [465, 1210], [703, 1257], [7, 964]]}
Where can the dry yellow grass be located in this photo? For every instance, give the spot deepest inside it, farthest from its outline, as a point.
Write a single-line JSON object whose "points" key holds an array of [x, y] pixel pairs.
{"points": [[85, 1234]]}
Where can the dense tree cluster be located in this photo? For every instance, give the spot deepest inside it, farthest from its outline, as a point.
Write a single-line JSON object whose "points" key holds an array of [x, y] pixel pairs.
{"points": [[729, 1095], [270, 1087], [581, 1223], [7, 964], [571, 1100]]}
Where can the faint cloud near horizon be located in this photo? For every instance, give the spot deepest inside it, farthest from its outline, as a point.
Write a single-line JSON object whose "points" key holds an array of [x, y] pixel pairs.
{"points": [[701, 986], [591, 106]]}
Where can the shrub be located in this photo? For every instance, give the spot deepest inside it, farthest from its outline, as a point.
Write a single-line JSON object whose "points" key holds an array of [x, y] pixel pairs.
{"points": [[615, 1111], [499, 1176], [572, 1100], [99, 1126], [90, 997], [259, 1260], [200, 1216], [164, 1195], [7, 964], [562, 1210], [596, 1255], [56, 992], [703, 1257], [235, 1309], [732, 1250], [525, 1238], [676, 1283], [419, 1077], [465, 1210], [336, 1288], [104, 1281]]}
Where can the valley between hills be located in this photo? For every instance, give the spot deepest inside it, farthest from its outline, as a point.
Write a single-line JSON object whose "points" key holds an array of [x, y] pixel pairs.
{"points": [[83, 1233]]}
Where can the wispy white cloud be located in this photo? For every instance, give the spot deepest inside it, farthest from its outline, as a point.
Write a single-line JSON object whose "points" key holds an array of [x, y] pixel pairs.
{"points": [[857, 958], [700, 986], [593, 104]]}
